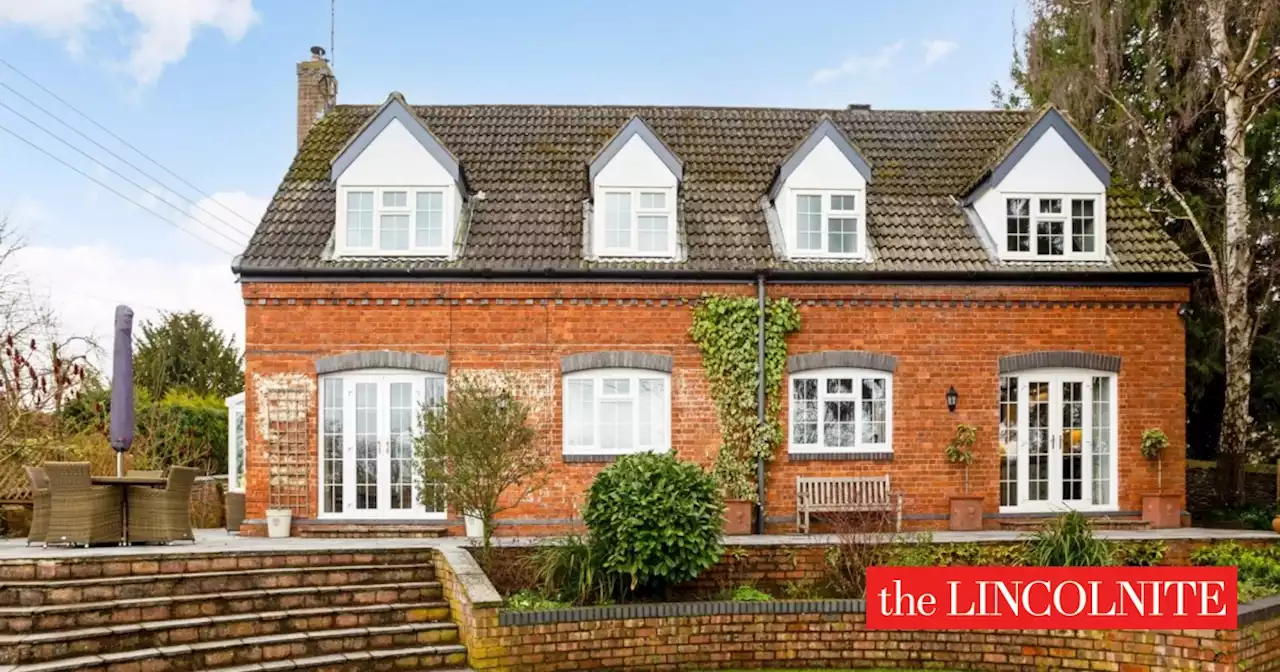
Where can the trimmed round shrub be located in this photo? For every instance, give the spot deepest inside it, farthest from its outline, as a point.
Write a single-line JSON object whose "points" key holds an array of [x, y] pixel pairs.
{"points": [[655, 520]]}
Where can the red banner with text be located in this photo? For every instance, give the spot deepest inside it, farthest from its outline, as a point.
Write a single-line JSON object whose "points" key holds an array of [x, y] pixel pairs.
{"points": [[1035, 598]]}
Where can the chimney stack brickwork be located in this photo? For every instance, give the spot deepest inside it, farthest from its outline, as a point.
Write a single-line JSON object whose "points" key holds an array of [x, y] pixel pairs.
{"points": [[317, 91]]}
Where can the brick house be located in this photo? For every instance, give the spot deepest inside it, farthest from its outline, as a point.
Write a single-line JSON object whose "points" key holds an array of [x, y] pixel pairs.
{"points": [[561, 247]]}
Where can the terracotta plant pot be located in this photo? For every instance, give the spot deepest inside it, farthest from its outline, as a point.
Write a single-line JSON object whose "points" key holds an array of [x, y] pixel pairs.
{"points": [[966, 513], [1162, 511], [1275, 524], [737, 516]]}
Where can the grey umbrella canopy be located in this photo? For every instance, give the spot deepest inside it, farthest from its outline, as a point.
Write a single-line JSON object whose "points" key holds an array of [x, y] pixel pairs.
{"points": [[122, 386]]}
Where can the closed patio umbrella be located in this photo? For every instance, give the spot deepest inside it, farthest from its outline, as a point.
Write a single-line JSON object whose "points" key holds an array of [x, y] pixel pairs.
{"points": [[122, 386]]}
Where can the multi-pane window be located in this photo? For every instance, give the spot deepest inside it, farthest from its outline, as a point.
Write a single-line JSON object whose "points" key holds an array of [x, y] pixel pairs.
{"points": [[1008, 441], [1018, 220], [841, 410], [428, 219], [638, 222], [1057, 440], [829, 224], [395, 221], [1051, 227], [368, 420], [612, 411]]}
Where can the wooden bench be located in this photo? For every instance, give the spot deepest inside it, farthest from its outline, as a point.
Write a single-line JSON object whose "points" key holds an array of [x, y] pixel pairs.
{"points": [[843, 495]]}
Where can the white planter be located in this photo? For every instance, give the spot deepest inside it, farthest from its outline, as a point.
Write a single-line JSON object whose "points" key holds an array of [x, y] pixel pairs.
{"points": [[474, 525], [278, 522]]}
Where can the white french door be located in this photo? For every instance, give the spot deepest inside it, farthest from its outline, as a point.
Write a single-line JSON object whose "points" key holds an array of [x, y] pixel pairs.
{"points": [[1058, 438], [367, 464]]}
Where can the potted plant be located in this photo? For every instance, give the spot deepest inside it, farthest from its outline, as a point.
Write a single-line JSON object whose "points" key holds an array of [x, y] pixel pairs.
{"points": [[966, 509], [1160, 510], [736, 478]]}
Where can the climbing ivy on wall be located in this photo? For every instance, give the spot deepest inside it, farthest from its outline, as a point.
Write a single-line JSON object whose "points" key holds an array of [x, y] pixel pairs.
{"points": [[724, 328]]}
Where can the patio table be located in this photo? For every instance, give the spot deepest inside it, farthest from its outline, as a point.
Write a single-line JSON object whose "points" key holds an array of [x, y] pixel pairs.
{"points": [[125, 482]]}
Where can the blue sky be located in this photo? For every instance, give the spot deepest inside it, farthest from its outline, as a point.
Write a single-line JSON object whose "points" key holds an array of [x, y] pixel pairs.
{"points": [[206, 88]]}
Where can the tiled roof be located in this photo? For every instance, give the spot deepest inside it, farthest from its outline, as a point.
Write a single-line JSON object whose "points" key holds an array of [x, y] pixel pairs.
{"points": [[531, 163]]}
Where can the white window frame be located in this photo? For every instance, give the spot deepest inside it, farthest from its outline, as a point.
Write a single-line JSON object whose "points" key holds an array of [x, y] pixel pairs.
{"points": [[1099, 252], [383, 378], [661, 444], [821, 376], [237, 443], [601, 218], [447, 195], [1055, 377], [827, 214]]}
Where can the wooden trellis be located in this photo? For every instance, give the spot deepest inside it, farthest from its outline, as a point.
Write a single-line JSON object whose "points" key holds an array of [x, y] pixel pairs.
{"points": [[286, 434]]}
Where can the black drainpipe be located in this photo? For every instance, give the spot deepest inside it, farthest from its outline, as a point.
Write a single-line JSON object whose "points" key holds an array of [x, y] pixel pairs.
{"points": [[760, 401]]}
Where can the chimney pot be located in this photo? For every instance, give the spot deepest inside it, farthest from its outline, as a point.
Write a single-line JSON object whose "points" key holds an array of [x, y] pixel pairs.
{"points": [[864, 107], [317, 53]]}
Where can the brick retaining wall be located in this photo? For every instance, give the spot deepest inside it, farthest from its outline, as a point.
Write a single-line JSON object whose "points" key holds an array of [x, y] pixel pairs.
{"points": [[820, 633]]}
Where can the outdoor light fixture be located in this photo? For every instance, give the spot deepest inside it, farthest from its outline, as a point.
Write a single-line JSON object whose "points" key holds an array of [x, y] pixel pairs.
{"points": [[952, 398]]}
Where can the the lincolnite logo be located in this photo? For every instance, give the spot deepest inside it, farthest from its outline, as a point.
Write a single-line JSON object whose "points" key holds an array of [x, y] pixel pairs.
{"points": [[1035, 598]]}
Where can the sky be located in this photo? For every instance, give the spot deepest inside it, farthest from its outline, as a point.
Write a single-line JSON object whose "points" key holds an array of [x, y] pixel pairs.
{"points": [[205, 92]]}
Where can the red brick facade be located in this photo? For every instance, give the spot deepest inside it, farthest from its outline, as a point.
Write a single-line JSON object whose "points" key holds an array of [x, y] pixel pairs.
{"points": [[942, 335]]}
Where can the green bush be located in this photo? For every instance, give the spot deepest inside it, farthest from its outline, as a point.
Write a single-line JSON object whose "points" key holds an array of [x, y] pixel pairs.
{"points": [[655, 520], [570, 571], [750, 594], [1138, 553], [528, 600], [181, 429], [1068, 541], [1257, 570]]}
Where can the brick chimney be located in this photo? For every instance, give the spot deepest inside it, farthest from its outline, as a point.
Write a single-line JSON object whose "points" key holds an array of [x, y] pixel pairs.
{"points": [[317, 91]]}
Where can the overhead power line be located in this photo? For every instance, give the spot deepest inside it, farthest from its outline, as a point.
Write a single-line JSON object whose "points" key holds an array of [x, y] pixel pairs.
{"points": [[117, 173], [119, 158], [124, 142], [113, 190]]}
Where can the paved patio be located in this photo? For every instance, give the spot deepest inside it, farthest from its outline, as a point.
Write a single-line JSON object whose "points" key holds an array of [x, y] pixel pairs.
{"points": [[219, 541]]}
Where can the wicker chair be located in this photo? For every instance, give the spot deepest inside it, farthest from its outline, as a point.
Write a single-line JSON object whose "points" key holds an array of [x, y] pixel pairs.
{"points": [[39, 505], [163, 515], [79, 513]]}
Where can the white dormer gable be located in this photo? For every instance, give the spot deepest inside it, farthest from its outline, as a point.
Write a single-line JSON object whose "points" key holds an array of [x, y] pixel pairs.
{"points": [[399, 191], [820, 195], [1046, 200], [635, 183]]}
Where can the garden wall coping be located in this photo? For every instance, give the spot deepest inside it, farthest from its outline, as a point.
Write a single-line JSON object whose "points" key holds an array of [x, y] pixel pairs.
{"points": [[479, 590], [678, 609]]}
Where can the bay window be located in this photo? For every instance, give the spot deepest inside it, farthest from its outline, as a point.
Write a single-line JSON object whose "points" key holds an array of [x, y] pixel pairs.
{"points": [[616, 411], [841, 410]]}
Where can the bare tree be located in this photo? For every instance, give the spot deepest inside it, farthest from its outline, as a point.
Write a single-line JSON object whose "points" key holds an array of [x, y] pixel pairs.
{"points": [[1155, 82]]}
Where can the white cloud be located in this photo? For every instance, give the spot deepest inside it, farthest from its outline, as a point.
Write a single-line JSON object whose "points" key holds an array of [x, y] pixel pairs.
{"points": [[936, 50], [856, 65], [159, 31], [85, 300]]}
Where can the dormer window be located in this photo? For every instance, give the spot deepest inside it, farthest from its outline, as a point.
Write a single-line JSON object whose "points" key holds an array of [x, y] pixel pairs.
{"points": [[1052, 226], [820, 196], [399, 191], [829, 224], [638, 223], [395, 220], [1045, 198], [635, 181]]}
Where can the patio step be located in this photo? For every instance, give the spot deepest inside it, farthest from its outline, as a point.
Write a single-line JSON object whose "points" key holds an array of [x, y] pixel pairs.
{"points": [[1033, 524], [47, 618], [403, 645], [370, 530], [98, 589], [46, 646], [71, 591]]}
